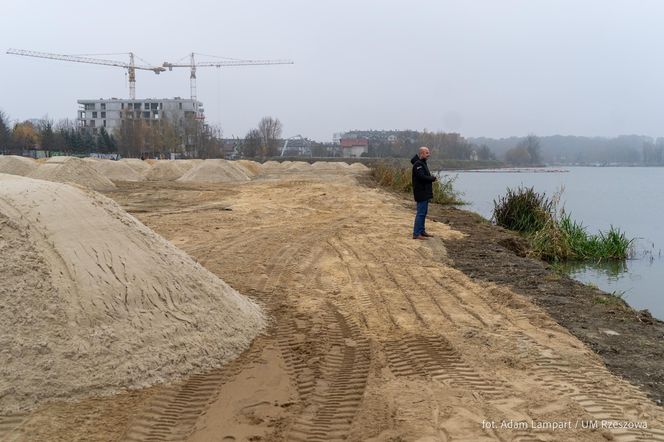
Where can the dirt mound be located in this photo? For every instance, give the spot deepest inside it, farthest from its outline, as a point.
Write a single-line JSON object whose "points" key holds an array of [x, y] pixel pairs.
{"points": [[139, 166], [215, 171], [58, 159], [93, 301], [168, 170], [72, 170], [298, 165], [15, 165], [252, 168], [358, 167], [117, 171], [329, 165]]}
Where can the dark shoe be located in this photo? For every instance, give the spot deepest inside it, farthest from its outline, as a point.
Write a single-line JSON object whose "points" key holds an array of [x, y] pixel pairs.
{"points": [[419, 237], [426, 235]]}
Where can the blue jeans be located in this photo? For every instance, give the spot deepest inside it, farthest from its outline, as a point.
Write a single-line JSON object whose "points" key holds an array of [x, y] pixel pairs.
{"points": [[420, 217]]}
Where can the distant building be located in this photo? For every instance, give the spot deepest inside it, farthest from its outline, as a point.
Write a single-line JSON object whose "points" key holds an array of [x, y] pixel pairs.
{"points": [[354, 147], [336, 137], [112, 113]]}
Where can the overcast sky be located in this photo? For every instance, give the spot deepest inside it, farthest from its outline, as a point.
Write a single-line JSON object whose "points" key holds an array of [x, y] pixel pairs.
{"points": [[480, 67]]}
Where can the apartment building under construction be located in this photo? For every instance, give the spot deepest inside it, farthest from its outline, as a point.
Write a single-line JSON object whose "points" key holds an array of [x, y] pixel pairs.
{"points": [[113, 113]]}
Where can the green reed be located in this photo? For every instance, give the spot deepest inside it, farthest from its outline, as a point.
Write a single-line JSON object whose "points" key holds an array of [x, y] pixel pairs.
{"points": [[552, 233]]}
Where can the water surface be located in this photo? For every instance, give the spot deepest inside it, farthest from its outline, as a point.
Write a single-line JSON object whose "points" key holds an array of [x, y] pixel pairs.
{"points": [[630, 198]]}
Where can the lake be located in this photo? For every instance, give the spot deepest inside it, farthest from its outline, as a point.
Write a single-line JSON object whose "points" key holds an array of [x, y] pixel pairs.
{"points": [[630, 198]]}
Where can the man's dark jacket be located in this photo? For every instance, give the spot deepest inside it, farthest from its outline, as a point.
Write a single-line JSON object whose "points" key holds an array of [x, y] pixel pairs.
{"points": [[422, 179]]}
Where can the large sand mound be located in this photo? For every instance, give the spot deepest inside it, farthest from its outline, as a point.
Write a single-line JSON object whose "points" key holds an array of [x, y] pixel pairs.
{"points": [[72, 170], [92, 301], [215, 171], [16, 165], [252, 168], [169, 170], [298, 166], [329, 165], [358, 167], [140, 166], [117, 171]]}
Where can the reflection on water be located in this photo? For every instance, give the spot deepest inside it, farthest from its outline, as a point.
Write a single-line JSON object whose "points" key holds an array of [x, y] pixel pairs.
{"points": [[611, 269]]}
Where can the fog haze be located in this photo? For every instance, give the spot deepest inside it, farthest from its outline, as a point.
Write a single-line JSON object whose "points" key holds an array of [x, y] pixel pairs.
{"points": [[482, 68]]}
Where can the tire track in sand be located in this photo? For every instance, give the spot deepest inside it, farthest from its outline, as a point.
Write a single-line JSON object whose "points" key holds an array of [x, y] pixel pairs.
{"points": [[11, 426], [172, 413], [434, 357], [601, 402], [334, 402]]}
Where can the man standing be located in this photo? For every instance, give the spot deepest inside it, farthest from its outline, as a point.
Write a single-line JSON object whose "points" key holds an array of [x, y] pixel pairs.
{"points": [[422, 190]]}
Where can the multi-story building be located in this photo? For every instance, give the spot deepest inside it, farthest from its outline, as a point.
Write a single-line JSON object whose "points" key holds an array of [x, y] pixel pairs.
{"points": [[111, 114]]}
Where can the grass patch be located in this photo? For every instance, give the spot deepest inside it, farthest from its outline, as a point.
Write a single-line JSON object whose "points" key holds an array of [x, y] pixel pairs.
{"points": [[522, 210], [400, 179], [552, 233]]}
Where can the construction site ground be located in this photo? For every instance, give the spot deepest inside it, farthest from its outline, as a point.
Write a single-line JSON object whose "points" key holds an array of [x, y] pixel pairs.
{"points": [[375, 336]]}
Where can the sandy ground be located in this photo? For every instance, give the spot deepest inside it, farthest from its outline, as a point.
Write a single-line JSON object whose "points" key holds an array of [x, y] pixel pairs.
{"points": [[374, 336], [92, 301]]}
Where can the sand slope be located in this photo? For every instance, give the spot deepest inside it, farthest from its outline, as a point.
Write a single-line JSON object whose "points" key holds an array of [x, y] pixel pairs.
{"points": [[215, 171], [72, 170], [169, 170], [138, 165], [117, 171], [16, 165], [92, 301], [252, 168]]}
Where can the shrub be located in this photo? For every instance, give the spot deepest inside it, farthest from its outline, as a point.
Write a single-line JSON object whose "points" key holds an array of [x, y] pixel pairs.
{"points": [[523, 210]]}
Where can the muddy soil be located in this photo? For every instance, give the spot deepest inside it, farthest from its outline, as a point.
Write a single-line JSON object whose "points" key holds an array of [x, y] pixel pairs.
{"points": [[373, 336]]}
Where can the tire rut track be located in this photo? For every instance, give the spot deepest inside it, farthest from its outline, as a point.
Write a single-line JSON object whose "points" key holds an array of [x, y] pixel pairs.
{"points": [[434, 357], [11, 426], [336, 398], [556, 375], [173, 412]]}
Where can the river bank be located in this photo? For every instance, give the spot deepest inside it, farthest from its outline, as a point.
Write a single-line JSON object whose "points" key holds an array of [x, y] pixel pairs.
{"points": [[630, 342]]}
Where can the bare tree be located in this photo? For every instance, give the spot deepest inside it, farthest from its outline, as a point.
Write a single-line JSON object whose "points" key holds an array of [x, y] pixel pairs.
{"points": [[252, 144], [532, 145], [270, 130]]}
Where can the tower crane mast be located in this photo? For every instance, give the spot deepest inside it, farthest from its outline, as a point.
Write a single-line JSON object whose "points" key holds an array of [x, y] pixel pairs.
{"points": [[131, 66]]}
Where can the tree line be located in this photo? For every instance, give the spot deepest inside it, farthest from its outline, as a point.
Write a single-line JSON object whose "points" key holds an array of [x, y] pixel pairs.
{"points": [[135, 138], [568, 149]]}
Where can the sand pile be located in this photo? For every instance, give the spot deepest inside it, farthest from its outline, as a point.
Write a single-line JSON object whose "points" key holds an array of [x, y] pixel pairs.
{"points": [[298, 165], [215, 171], [140, 166], [92, 301], [252, 168], [329, 165], [168, 170], [16, 165], [72, 170], [359, 167], [117, 171]]}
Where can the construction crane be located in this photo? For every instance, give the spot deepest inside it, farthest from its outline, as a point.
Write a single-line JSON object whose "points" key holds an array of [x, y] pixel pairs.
{"points": [[303, 148], [131, 66], [192, 65]]}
